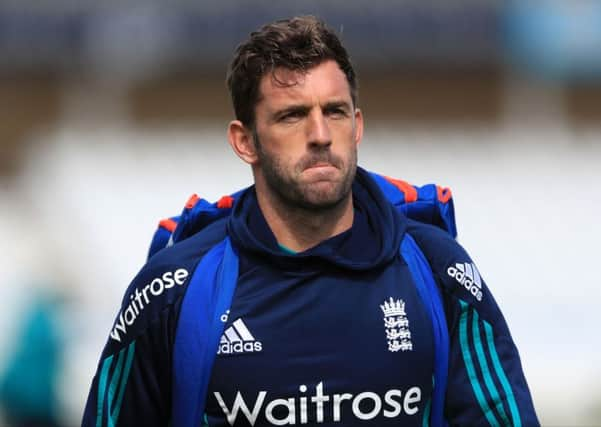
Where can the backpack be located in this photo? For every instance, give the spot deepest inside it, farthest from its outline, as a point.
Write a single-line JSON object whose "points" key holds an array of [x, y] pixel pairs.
{"points": [[211, 289]]}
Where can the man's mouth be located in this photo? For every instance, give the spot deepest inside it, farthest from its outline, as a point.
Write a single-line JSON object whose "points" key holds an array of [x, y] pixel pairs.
{"points": [[320, 165]]}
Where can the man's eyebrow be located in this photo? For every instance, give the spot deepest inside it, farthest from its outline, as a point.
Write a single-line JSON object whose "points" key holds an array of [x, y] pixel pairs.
{"points": [[337, 104], [304, 109]]}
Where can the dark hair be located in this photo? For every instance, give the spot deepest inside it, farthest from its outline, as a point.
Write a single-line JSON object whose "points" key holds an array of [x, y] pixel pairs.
{"points": [[296, 44]]}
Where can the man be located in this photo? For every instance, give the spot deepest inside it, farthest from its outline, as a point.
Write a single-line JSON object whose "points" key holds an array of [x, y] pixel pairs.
{"points": [[326, 321]]}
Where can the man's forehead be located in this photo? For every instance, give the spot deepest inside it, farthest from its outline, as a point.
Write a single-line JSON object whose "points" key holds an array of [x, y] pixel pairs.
{"points": [[325, 80]]}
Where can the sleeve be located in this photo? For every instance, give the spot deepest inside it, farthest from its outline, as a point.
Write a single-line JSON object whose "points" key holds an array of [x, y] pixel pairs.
{"points": [[132, 384], [486, 384]]}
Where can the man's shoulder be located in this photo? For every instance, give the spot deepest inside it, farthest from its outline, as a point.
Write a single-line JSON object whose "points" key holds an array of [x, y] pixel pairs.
{"points": [[432, 238], [439, 247], [449, 261], [161, 284]]}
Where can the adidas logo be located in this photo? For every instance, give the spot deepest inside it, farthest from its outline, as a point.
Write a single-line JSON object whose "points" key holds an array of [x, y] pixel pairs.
{"points": [[468, 276], [237, 339]]}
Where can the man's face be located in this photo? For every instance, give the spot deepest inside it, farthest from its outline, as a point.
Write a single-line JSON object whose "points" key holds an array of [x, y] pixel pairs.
{"points": [[306, 135]]}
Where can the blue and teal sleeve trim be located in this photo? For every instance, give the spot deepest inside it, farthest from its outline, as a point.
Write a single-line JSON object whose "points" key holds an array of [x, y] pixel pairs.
{"points": [[430, 296], [487, 377], [210, 291], [112, 384]]}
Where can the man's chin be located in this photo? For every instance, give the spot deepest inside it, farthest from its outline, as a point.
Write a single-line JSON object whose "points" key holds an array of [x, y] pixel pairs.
{"points": [[327, 197]]}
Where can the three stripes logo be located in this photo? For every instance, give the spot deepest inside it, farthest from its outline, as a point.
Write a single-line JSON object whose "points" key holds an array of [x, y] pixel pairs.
{"points": [[237, 339], [111, 385], [485, 371], [468, 276]]}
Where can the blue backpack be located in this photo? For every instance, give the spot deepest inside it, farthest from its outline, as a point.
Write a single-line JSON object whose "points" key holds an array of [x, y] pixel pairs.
{"points": [[212, 286]]}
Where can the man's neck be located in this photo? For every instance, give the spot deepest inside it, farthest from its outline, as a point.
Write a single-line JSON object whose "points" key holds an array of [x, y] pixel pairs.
{"points": [[299, 229]]}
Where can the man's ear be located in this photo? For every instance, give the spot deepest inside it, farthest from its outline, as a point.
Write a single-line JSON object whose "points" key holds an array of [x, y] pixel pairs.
{"points": [[358, 126], [242, 141]]}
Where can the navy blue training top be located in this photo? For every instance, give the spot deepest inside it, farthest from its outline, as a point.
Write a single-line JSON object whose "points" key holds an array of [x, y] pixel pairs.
{"points": [[335, 335]]}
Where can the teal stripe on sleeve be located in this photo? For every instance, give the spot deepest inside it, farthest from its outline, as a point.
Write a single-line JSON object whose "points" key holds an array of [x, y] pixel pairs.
{"points": [[115, 378], [114, 416], [515, 413], [490, 385], [104, 372], [469, 366], [426, 419], [428, 408]]}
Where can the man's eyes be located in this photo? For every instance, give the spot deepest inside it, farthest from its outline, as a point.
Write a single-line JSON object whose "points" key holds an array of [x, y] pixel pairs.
{"points": [[292, 115], [295, 115], [336, 112]]}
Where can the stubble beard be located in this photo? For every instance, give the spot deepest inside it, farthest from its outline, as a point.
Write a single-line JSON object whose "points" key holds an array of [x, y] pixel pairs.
{"points": [[286, 185]]}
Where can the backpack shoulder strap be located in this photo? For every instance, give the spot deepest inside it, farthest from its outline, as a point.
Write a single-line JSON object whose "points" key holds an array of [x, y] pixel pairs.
{"points": [[431, 298], [199, 329]]}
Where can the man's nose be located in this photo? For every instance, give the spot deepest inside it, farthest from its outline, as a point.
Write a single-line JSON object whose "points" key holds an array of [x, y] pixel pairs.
{"points": [[318, 129]]}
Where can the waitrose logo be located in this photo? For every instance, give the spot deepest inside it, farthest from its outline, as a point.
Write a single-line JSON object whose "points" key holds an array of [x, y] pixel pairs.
{"points": [[141, 297], [318, 407]]}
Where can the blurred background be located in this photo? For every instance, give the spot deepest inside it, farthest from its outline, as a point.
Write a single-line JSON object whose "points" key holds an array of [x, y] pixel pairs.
{"points": [[113, 113]]}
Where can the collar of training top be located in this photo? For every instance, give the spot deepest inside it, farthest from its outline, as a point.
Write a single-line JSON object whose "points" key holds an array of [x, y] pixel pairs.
{"points": [[372, 241]]}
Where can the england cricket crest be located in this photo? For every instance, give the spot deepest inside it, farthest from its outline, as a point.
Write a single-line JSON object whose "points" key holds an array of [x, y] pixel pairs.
{"points": [[396, 325]]}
